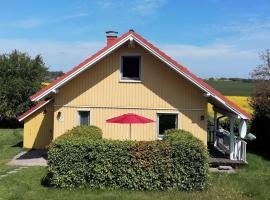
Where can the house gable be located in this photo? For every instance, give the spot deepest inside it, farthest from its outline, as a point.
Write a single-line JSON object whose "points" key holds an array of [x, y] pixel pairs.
{"points": [[101, 85], [100, 91], [212, 94]]}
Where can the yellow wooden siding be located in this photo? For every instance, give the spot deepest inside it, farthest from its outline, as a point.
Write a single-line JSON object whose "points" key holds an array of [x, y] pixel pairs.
{"points": [[161, 88], [38, 128], [188, 120]]}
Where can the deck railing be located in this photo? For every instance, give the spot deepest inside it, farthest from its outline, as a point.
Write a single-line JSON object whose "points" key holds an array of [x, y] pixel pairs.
{"points": [[240, 149], [222, 142]]}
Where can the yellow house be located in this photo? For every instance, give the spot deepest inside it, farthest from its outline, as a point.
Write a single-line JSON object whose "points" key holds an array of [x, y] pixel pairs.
{"points": [[129, 75]]}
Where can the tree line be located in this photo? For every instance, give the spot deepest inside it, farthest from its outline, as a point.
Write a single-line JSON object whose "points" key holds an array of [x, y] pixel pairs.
{"points": [[245, 80]]}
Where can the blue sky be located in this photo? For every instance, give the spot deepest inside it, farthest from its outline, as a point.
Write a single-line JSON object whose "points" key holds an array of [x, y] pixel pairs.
{"points": [[213, 38]]}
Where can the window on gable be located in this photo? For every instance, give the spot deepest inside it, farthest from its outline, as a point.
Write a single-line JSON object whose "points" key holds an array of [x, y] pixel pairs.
{"points": [[131, 68], [84, 118]]}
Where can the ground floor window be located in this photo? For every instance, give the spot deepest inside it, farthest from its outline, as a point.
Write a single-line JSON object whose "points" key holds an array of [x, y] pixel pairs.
{"points": [[166, 121], [84, 118]]}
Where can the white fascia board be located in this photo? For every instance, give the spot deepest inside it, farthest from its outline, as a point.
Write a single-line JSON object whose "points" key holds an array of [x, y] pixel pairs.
{"points": [[187, 77], [35, 110], [86, 66]]}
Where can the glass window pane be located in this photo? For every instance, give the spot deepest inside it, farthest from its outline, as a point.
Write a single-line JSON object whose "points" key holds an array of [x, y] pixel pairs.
{"points": [[166, 121], [84, 117], [131, 67]]}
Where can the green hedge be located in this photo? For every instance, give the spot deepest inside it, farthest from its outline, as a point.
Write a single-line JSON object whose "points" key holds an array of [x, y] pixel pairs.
{"points": [[177, 162], [86, 132]]}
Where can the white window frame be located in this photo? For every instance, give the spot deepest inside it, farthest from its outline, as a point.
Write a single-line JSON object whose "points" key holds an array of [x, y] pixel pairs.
{"points": [[160, 137], [78, 117], [126, 79]]}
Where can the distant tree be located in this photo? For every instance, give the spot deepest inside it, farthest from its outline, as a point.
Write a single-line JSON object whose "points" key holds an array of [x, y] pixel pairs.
{"points": [[52, 75], [20, 77], [260, 102], [223, 79], [235, 79]]}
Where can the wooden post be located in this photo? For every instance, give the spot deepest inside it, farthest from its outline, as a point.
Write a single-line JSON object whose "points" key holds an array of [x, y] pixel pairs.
{"points": [[232, 139], [215, 128]]}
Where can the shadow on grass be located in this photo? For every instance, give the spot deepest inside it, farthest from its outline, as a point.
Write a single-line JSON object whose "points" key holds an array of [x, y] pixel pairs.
{"points": [[260, 152], [35, 153], [19, 144]]}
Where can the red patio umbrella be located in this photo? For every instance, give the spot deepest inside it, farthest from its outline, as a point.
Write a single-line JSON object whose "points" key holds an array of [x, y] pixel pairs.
{"points": [[129, 118]]}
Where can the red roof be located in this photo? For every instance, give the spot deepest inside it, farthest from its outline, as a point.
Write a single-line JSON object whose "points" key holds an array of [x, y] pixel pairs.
{"points": [[183, 69], [33, 109]]}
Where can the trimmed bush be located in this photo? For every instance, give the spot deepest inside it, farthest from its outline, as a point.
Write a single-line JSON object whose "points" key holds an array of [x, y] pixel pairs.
{"points": [[87, 132], [177, 162]]}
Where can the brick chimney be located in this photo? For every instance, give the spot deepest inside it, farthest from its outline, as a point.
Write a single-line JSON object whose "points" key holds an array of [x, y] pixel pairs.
{"points": [[111, 36]]}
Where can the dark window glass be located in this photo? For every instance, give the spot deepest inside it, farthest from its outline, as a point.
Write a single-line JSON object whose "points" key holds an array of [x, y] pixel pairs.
{"points": [[131, 67], [166, 121], [84, 117]]}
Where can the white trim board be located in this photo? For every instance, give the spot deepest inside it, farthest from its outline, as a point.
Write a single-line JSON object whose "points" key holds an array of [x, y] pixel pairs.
{"points": [[80, 70], [48, 101], [135, 108]]}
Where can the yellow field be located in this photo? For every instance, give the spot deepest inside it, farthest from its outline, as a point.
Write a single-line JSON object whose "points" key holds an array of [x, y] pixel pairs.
{"points": [[45, 84], [239, 100]]}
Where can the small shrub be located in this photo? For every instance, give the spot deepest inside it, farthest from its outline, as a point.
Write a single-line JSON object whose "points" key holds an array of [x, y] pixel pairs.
{"points": [[90, 132], [177, 162]]}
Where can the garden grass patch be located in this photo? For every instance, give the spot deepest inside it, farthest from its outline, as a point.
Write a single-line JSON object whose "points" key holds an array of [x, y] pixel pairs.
{"points": [[250, 182]]}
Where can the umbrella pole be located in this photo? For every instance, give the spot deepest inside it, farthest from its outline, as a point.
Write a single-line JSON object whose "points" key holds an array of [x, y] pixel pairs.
{"points": [[130, 131]]}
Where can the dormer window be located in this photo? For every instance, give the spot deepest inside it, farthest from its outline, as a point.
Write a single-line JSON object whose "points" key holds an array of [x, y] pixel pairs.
{"points": [[131, 68]]}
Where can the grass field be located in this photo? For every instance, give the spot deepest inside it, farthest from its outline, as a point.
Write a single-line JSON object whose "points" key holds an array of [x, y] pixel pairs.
{"points": [[251, 182], [233, 88]]}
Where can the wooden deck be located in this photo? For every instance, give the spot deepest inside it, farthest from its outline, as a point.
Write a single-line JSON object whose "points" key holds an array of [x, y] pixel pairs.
{"points": [[218, 158], [225, 162]]}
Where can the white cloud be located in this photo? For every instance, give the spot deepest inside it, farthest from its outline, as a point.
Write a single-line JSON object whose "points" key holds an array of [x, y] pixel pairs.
{"points": [[205, 61], [250, 31], [75, 16], [29, 23], [208, 51], [105, 3], [36, 22], [138, 7], [56, 55], [148, 7], [217, 60]]}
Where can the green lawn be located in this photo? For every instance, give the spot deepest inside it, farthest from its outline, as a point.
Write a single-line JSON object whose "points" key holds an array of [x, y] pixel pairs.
{"points": [[251, 182], [233, 88]]}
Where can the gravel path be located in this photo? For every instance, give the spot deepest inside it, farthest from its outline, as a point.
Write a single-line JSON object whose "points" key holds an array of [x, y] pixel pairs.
{"points": [[30, 158]]}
